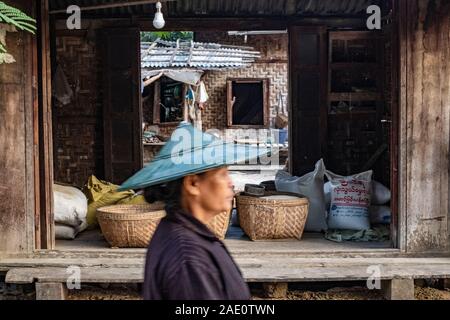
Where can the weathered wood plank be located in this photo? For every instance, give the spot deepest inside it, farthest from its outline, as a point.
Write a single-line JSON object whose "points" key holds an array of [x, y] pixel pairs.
{"points": [[255, 269], [427, 126], [16, 141], [250, 274]]}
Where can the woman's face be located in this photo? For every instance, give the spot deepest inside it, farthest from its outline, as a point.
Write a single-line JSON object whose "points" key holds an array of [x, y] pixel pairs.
{"points": [[215, 190]]}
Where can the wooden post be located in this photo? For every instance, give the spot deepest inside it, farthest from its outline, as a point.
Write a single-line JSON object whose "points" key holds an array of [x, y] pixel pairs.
{"points": [[17, 187], [398, 289], [45, 138], [275, 290], [445, 283], [425, 112], [50, 291]]}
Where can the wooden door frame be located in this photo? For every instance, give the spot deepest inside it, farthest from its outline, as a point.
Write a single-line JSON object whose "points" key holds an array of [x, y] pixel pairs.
{"points": [[107, 129], [43, 140], [322, 68], [398, 121], [398, 130]]}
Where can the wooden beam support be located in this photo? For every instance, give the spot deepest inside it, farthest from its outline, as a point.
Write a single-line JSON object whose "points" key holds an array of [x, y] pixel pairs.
{"points": [[246, 24], [51, 291], [112, 5], [398, 289], [277, 290], [45, 139]]}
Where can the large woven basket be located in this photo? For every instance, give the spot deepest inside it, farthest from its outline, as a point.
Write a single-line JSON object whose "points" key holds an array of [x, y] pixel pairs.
{"points": [[265, 219], [219, 224], [130, 226]]}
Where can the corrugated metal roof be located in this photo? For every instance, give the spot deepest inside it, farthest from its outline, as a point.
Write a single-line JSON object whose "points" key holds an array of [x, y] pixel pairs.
{"points": [[188, 54]]}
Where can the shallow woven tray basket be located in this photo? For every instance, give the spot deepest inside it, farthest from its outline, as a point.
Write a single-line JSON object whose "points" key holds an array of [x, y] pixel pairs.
{"points": [[265, 219], [130, 226], [219, 224]]}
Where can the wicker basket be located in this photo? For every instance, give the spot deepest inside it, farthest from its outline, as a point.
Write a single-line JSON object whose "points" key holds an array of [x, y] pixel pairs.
{"points": [[130, 226], [264, 219], [219, 224]]}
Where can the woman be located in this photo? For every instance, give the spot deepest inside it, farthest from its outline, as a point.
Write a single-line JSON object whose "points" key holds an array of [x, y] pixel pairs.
{"points": [[185, 260]]}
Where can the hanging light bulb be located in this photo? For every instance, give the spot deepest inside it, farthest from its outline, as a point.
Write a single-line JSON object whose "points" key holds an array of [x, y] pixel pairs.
{"points": [[158, 22]]}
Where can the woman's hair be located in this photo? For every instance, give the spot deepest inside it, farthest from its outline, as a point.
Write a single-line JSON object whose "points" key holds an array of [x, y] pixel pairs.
{"points": [[169, 193]]}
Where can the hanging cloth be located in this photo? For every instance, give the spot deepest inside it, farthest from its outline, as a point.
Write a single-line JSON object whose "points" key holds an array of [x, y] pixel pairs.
{"points": [[190, 101], [61, 88], [202, 95]]}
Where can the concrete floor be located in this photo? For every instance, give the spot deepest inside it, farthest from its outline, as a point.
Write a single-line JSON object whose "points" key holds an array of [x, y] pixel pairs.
{"points": [[237, 242]]}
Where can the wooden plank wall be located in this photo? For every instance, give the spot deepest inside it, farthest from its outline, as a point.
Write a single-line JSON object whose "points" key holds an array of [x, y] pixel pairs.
{"points": [[425, 105], [17, 93]]}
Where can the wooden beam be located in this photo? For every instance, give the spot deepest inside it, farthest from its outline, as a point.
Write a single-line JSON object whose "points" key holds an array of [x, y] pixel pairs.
{"points": [[112, 5], [47, 240], [37, 198], [277, 290], [51, 291], [247, 24]]}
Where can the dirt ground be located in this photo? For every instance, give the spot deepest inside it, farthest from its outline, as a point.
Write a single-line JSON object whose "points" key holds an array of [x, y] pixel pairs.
{"points": [[424, 290], [122, 292]]}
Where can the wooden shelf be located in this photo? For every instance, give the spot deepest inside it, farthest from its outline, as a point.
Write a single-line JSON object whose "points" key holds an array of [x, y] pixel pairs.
{"points": [[154, 144], [355, 96]]}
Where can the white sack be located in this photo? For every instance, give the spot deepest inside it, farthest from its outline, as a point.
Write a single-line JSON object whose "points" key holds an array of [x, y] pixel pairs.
{"points": [[350, 201], [311, 186], [380, 194], [65, 232], [70, 206]]}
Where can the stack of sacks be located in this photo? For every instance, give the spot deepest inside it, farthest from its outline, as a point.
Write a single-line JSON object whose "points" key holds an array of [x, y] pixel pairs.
{"points": [[379, 212], [356, 201], [70, 209], [102, 193]]}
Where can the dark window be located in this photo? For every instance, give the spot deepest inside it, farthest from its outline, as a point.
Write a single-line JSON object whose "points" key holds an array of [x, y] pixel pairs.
{"points": [[168, 103], [247, 102]]}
